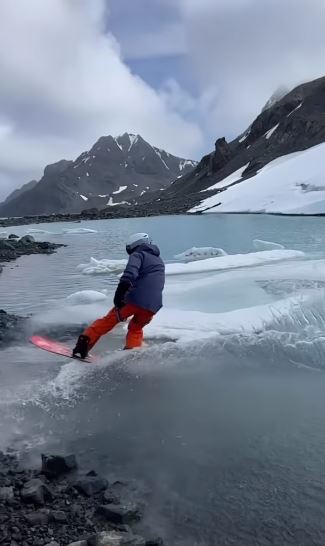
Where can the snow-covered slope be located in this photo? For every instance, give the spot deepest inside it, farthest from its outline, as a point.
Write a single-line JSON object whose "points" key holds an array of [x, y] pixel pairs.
{"points": [[294, 183]]}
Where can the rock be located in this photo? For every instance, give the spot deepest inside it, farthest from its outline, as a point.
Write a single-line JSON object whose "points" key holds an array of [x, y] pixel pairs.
{"points": [[56, 465], [155, 542], [26, 240], [221, 156], [58, 516], [6, 493], [11, 327], [38, 518], [5, 245], [119, 514], [79, 543], [110, 498], [53, 543], [90, 485], [112, 538], [13, 236], [35, 492]]}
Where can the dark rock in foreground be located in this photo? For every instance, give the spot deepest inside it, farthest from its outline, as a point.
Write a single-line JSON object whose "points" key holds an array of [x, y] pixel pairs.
{"points": [[10, 327], [54, 466], [36, 511], [14, 248]]}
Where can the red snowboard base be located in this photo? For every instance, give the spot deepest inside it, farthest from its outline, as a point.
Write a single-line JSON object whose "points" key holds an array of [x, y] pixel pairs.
{"points": [[57, 348]]}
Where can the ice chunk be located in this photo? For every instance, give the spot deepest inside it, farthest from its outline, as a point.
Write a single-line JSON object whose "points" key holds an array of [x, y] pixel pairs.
{"points": [[72, 231], [102, 267], [32, 230], [259, 244], [83, 197], [86, 296], [200, 253], [233, 261]]}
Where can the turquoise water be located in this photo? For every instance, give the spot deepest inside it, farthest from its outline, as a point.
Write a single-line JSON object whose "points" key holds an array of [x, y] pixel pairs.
{"points": [[33, 281]]}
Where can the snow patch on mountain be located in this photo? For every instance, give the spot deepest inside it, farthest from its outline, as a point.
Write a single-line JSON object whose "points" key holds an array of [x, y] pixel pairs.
{"points": [[269, 133], [133, 140], [159, 153], [121, 188], [186, 163]]}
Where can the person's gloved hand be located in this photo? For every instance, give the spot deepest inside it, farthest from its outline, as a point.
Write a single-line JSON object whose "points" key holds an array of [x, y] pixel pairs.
{"points": [[82, 347], [120, 293]]}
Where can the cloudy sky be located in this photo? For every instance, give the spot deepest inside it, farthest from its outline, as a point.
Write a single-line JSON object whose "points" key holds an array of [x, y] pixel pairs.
{"points": [[179, 72]]}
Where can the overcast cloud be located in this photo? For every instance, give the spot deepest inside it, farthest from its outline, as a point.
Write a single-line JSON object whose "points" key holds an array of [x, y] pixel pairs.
{"points": [[68, 77]]}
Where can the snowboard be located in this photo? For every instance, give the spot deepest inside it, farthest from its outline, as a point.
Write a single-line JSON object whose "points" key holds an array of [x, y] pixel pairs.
{"points": [[58, 348]]}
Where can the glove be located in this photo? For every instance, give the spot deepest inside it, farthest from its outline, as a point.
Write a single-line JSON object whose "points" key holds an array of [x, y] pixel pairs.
{"points": [[82, 347], [120, 293]]}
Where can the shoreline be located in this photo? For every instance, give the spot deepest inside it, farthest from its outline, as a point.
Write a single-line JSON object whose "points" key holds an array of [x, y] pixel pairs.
{"points": [[60, 505], [104, 215]]}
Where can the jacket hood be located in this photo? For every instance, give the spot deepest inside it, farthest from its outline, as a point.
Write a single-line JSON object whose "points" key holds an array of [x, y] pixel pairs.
{"points": [[151, 249]]}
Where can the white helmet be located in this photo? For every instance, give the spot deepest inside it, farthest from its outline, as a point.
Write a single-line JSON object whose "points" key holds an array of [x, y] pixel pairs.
{"points": [[137, 239]]}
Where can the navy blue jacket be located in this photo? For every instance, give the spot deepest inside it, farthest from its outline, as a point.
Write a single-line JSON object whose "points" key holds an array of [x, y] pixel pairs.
{"points": [[145, 271]]}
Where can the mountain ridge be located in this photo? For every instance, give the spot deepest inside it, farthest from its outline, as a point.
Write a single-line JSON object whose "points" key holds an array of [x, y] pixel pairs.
{"points": [[115, 171]]}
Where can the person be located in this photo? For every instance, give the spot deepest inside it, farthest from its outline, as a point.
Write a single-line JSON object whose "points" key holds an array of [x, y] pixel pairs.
{"points": [[138, 295]]}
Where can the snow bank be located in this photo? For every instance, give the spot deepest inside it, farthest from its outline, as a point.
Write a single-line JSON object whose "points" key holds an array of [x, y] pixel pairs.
{"points": [[102, 267], [86, 296], [233, 261], [79, 231], [200, 253], [184, 326], [259, 244], [294, 183], [3, 234]]}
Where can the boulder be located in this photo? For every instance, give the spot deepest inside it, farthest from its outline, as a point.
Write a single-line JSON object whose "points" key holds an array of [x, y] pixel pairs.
{"points": [[57, 465], [6, 493], [5, 245], [27, 240], [110, 498], [35, 492], [90, 485], [38, 518], [58, 516], [221, 156], [119, 514], [13, 236]]}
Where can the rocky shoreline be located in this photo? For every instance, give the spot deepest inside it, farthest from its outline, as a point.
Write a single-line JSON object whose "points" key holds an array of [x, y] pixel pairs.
{"points": [[166, 207], [58, 505], [157, 208], [14, 247]]}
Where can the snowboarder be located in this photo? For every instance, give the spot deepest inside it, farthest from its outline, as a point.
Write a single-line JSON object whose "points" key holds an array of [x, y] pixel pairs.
{"points": [[138, 295]]}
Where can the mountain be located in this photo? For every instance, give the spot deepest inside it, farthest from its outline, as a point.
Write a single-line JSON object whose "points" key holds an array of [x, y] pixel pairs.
{"points": [[115, 171], [291, 124], [20, 191]]}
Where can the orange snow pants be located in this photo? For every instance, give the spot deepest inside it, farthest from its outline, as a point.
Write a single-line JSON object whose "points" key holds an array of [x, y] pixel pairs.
{"points": [[134, 338]]}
